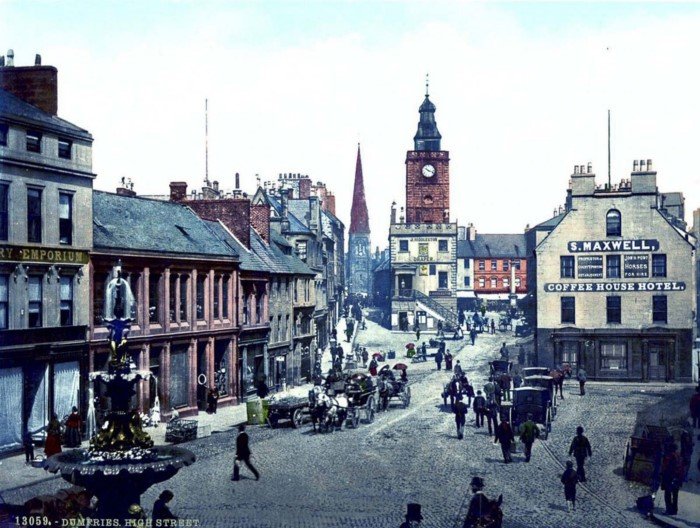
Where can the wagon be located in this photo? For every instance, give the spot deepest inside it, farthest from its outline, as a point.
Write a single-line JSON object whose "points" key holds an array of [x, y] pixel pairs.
{"points": [[546, 382], [290, 408], [499, 367], [534, 371], [362, 400], [535, 401], [644, 451], [390, 388]]}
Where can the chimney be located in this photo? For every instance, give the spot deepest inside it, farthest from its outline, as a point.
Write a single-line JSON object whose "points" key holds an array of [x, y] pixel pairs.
{"points": [[643, 179], [238, 181], [582, 182], [330, 203], [648, 165], [285, 212], [589, 168], [304, 187], [393, 213], [126, 188], [635, 166], [471, 232], [641, 166], [314, 213], [461, 233], [178, 191], [36, 85], [401, 217], [260, 220]]}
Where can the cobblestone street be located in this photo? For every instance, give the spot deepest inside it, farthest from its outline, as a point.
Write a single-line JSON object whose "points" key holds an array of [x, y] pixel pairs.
{"points": [[365, 477]]}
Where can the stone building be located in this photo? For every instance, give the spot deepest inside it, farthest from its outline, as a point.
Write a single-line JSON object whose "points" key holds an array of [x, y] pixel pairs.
{"points": [[359, 246], [424, 245], [45, 195], [615, 282]]}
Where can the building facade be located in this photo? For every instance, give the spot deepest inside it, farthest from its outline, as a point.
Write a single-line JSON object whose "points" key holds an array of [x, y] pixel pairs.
{"points": [[615, 283], [359, 245], [45, 192]]}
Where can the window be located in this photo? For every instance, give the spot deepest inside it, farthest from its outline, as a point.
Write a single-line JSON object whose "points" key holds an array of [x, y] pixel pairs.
{"points": [[301, 249], [259, 307], [172, 301], [612, 266], [613, 356], [200, 296], [466, 264], [614, 304], [568, 310], [494, 282], [33, 141], [517, 264], [64, 148], [442, 280], [154, 297], [403, 245], [613, 223], [66, 301], [35, 295], [467, 281], [482, 282], [4, 300], [494, 265], [287, 328], [659, 309], [217, 298], [4, 129], [183, 297], [296, 290], [566, 267], [506, 282], [482, 265], [65, 218], [431, 269], [224, 292], [246, 308], [4, 211], [506, 265], [517, 282], [442, 245], [658, 265], [135, 285], [33, 215]]}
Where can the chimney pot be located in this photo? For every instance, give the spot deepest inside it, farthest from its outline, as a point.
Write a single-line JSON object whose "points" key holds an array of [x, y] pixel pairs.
{"points": [[37, 60], [590, 167], [575, 169], [648, 164], [635, 165], [10, 57], [238, 181], [641, 165]]}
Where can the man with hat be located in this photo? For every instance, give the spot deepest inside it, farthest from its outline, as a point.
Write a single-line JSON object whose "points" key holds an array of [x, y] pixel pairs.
{"points": [[480, 506], [460, 409], [580, 449], [479, 406], [413, 516], [528, 433]]}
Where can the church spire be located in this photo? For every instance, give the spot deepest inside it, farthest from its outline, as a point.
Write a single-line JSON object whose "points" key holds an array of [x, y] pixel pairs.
{"points": [[359, 218], [427, 137]]}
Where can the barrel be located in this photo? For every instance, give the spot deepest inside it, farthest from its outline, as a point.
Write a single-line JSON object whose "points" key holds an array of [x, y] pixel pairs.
{"points": [[255, 411]]}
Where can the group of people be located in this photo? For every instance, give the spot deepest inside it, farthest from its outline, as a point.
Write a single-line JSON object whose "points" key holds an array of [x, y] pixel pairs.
{"points": [[55, 432]]}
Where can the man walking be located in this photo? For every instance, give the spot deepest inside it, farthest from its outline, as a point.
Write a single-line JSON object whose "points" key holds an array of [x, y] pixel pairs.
{"points": [[417, 330], [671, 478], [492, 417], [460, 410], [504, 436], [479, 407], [528, 433], [472, 335], [505, 386], [570, 479], [580, 449], [438, 359], [243, 454], [582, 377]]}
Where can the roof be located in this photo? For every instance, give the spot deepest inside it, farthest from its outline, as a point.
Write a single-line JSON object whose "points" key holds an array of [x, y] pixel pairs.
{"points": [[249, 260], [295, 224], [154, 226], [279, 239], [359, 217], [12, 108], [552, 222], [493, 245]]}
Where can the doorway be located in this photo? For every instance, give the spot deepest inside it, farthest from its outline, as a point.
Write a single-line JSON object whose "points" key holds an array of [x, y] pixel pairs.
{"points": [[658, 361]]}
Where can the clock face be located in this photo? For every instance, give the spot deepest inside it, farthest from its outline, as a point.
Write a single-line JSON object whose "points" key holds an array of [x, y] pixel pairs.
{"points": [[428, 171]]}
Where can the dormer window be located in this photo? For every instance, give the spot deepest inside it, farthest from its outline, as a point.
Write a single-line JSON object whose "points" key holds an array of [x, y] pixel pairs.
{"points": [[65, 147], [613, 223], [33, 141]]}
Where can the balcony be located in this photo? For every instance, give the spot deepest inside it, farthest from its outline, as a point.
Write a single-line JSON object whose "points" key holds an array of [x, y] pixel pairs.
{"points": [[403, 293], [52, 334]]}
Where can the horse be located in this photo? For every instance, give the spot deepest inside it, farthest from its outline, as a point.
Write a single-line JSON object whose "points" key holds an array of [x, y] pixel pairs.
{"points": [[329, 412], [558, 377], [491, 518], [387, 389]]}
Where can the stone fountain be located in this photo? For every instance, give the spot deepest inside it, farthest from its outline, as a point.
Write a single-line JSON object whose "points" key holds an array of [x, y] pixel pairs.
{"points": [[121, 462]]}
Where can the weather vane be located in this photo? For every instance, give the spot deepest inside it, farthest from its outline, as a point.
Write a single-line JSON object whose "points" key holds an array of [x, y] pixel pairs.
{"points": [[427, 82]]}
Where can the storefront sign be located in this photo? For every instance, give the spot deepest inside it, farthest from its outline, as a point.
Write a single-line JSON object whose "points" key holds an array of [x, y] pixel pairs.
{"points": [[590, 267], [574, 287], [636, 266], [596, 246], [34, 254]]}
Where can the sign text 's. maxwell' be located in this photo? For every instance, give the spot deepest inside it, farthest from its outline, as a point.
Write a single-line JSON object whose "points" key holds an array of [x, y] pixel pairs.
{"points": [[585, 246]]}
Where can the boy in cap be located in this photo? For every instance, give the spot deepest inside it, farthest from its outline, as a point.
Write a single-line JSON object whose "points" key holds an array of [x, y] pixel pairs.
{"points": [[413, 516], [570, 479]]}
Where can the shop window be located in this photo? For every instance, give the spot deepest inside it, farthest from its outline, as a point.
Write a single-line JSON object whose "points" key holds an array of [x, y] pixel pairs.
{"points": [[568, 310], [201, 282], [482, 265], [612, 266], [34, 215], [568, 354], [154, 297], [65, 218], [613, 356], [35, 297], [4, 211], [613, 223], [614, 309], [101, 278], [179, 376], [658, 265], [66, 301], [4, 301], [442, 280], [659, 309], [184, 282], [566, 267], [442, 245]]}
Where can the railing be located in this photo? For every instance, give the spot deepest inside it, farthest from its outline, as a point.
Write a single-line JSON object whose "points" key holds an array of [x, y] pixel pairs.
{"points": [[435, 306]]}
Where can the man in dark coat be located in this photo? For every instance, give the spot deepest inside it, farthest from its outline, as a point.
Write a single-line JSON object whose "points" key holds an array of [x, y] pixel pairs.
{"points": [[160, 507], [504, 436], [582, 377], [479, 505], [413, 516], [580, 449], [505, 385], [528, 433], [570, 479], [479, 407], [492, 416], [671, 478], [243, 452], [438, 359], [460, 410], [472, 335]]}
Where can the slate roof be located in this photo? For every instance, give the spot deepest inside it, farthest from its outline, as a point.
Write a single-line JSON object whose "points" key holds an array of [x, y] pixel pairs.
{"points": [[552, 222], [300, 209], [492, 245], [153, 226], [249, 260], [279, 239], [295, 224], [12, 108]]}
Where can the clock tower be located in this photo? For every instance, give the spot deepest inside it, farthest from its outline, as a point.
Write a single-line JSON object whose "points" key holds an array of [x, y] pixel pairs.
{"points": [[427, 172]]}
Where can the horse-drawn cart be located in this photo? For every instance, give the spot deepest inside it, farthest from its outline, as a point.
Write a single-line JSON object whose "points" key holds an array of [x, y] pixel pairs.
{"points": [[291, 408], [362, 399], [531, 400], [390, 388]]}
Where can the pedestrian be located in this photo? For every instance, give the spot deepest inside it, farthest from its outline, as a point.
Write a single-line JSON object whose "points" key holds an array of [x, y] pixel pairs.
{"points": [[493, 326], [460, 410], [695, 407], [497, 392], [492, 417], [438, 359], [505, 386], [160, 508], [581, 449], [73, 425], [413, 516], [334, 334], [458, 370], [672, 473], [472, 335], [262, 390], [504, 436], [481, 509], [489, 390], [52, 444], [440, 331], [28, 444], [243, 454], [570, 479], [334, 353], [528, 433], [517, 380], [686, 452], [365, 356], [417, 329], [479, 407], [212, 400], [582, 377], [468, 390], [521, 355], [448, 361], [373, 366], [503, 351]]}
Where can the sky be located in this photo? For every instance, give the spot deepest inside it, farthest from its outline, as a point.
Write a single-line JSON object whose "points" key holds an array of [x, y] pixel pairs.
{"points": [[522, 92]]}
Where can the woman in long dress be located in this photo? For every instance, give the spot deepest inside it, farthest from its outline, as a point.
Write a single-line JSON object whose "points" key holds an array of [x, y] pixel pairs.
{"points": [[73, 425], [53, 437]]}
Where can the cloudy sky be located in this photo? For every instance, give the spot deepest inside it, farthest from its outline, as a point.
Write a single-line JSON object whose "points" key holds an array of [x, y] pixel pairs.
{"points": [[522, 93]]}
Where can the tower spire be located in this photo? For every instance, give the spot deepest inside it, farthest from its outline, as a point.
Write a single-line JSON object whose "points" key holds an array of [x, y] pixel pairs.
{"points": [[427, 85], [427, 136], [359, 217]]}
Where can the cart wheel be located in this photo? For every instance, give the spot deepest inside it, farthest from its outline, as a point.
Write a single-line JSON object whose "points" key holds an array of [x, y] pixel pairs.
{"points": [[272, 421], [627, 462], [408, 395], [549, 421], [355, 420], [297, 418], [370, 415]]}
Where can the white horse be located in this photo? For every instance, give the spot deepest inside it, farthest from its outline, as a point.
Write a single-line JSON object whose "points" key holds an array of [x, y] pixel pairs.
{"points": [[330, 412]]}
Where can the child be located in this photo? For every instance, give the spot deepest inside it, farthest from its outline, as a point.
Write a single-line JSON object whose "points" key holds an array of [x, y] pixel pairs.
{"points": [[570, 479], [28, 444]]}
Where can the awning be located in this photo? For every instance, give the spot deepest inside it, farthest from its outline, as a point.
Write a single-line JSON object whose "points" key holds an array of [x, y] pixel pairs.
{"points": [[466, 294]]}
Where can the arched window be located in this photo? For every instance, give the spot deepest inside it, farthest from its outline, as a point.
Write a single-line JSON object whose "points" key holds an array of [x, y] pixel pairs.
{"points": [[613, 223]]}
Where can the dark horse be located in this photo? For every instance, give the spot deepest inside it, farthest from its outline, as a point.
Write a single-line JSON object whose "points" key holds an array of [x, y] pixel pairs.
{"points": [[491, 517], [456, 387]]}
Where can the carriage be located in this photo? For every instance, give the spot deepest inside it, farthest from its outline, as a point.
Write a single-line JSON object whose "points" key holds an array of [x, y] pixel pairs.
{"points": [[534, 371], [292, 408], [546, 382], [389, 388], [530, 400], [361, 394], [499, 367], [644, 451]]}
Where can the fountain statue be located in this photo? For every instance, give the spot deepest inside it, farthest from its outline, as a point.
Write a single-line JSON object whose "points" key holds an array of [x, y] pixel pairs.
{"points": [[121, 462]]}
